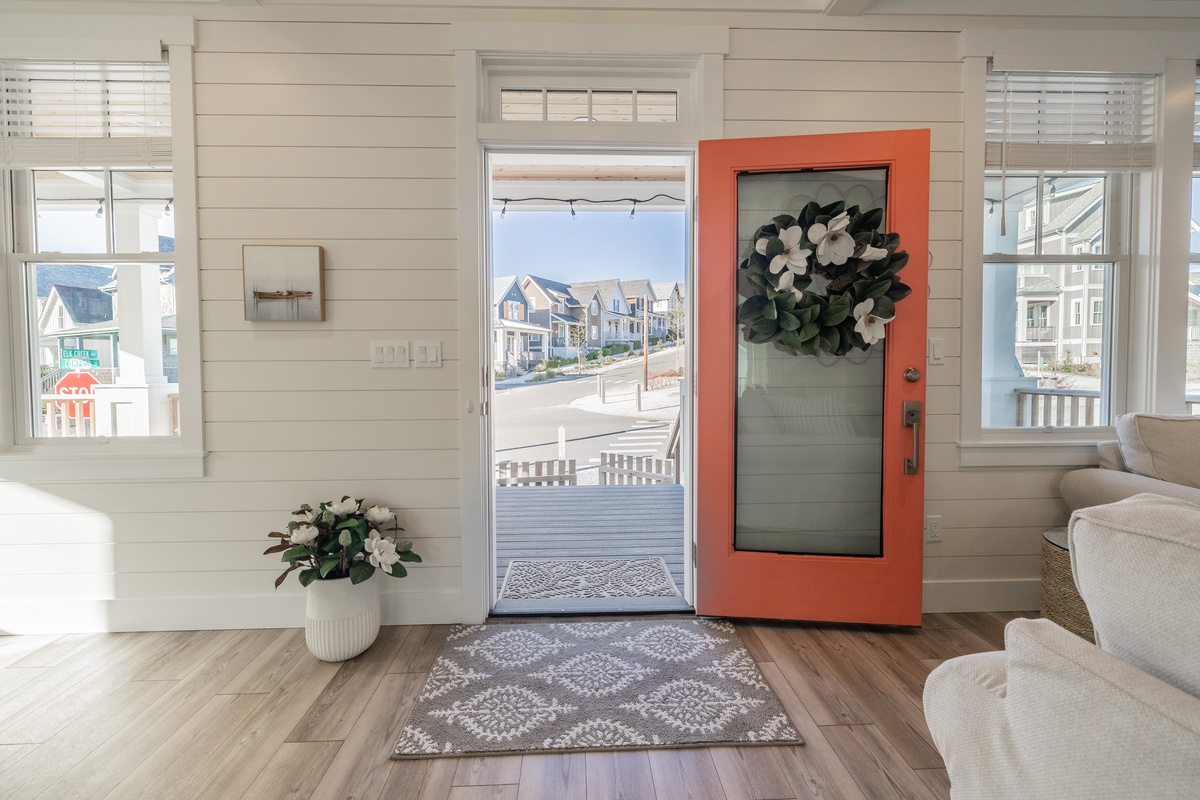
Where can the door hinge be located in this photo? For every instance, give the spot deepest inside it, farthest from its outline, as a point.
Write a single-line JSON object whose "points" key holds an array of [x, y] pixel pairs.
{"points": [[693, 555], [484, 372]]}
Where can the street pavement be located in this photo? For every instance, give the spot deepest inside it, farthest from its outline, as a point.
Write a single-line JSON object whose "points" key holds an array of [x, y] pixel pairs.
{"points": [[526, 418]]}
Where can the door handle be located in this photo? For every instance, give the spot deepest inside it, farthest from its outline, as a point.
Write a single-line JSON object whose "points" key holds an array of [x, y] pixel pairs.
{"points": [[912, 419]]}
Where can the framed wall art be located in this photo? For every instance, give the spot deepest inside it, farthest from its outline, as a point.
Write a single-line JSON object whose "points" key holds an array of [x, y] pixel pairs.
{"points": [[284, 283]]}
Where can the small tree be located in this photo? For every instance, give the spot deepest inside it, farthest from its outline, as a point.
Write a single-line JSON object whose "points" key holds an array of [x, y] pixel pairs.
{"points": [[677, 321], [577, 338]]}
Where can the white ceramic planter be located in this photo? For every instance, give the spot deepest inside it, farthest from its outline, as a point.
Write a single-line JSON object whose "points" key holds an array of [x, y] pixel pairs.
{"points": [[341, 619]]}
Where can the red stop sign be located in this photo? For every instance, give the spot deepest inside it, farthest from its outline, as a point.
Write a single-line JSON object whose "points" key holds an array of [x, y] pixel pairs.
{"points": [[80, 383]]}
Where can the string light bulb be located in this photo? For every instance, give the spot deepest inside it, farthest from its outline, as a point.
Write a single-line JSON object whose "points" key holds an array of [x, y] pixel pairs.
{"points": [[167, 207], [572, 204], [991, 208], [503, 208], [633, 210], [100, 209]]}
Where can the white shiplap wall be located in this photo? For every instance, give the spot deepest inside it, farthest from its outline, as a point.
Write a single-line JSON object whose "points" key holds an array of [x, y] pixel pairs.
{"points": [[337, 132]]}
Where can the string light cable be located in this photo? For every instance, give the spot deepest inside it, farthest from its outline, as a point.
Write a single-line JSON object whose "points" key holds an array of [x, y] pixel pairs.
{"points": [[571, 201]]}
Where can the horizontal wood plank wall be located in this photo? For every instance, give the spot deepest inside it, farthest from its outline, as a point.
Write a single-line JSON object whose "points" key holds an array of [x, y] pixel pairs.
{"points": [[336, 127]]}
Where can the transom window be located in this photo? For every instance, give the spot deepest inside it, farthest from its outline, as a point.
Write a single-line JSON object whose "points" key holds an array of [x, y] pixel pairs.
{"points": [[589, 105]]}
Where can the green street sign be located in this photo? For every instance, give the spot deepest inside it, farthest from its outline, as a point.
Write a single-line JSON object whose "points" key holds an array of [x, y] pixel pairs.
{"points": [[78, 359]]}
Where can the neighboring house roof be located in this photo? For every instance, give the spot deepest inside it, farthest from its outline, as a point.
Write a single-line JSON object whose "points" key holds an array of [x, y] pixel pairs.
{"points": [[516, 325], [607, 289], [1069, 213], [567, 318], [556, 289], [1044, 286], [663, 291], [635, 288], [88, 276], [500, 287], [86, 306]]}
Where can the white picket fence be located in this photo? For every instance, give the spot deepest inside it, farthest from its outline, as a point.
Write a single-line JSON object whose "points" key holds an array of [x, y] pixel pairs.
{"points": [[556, 472], [622, 469]]}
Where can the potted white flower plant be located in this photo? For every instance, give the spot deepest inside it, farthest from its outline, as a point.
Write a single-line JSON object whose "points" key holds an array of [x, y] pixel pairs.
{"points": [[337, 547]]}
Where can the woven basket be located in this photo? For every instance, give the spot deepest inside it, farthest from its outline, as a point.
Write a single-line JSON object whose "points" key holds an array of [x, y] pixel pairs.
{"points": [[1061, 602]]}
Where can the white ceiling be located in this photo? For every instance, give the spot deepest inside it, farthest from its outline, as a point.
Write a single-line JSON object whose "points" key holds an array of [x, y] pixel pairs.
{"points": [[1088, 9]]}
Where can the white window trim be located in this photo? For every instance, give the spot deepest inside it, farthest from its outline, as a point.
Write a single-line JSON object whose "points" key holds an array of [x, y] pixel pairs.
{"points": [[1160, 242], [96, 37]]}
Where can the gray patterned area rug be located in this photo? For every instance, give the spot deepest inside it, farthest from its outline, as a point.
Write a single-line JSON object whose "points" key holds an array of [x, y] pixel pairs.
{"points": [[537, 579], [567, 687]]}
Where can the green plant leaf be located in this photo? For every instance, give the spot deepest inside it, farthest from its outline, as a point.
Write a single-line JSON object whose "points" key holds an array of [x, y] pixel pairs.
{"points": [[297, 552], [899, 291], [398, 570], [791, 339], [329, 564], [770, 311], [361, 571], [766, 327], [308, 576], [787, 300], [811, 347], [897, 261], [884, 307], [878, 289], [774, 247], [872, 219], [788, 322], [809, 331], [835, 313], [409, 556], [831, 339], [752, 307], [783, 221]]}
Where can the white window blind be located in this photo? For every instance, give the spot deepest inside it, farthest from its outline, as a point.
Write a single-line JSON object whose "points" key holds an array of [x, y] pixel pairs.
{"points": [[1065, 121], [1196, 125], [110, 114]]}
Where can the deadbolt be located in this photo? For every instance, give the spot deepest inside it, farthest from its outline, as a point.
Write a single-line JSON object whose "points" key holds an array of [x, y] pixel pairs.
{"points": [[912, 374]]}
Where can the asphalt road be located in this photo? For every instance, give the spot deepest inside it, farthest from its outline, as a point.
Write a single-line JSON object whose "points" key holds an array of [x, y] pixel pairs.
{"points": [[525, 419]]}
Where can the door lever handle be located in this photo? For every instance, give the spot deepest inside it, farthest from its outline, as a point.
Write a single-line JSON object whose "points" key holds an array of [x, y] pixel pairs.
{"points": [[911, 410]]}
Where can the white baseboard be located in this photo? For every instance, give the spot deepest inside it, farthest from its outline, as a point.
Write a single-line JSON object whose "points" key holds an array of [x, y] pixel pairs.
{"points": [[88, 615], [1016, 594]]}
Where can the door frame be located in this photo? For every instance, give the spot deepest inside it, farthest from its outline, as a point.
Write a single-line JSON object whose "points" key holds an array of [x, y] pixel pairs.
{"points": [[477, 46], [744, 583]]}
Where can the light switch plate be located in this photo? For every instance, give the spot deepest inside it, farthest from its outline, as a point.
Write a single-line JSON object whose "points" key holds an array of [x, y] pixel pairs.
{"points": [[427, 353], [389, 355]]}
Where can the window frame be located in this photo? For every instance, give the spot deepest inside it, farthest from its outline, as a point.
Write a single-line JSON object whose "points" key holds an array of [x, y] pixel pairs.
{"points": [[99, 38]]}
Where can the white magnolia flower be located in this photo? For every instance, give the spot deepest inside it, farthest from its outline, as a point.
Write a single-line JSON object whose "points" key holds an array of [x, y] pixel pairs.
{"points": [[305, 534], [344, 507], [792, 261], [381, 551], [377, 515], [305, 517], [834, 244], [869, 326], [870, 253]]}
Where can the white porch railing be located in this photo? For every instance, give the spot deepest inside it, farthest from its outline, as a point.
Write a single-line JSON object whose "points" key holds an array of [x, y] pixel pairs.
{"points": [[68, 415], [623, 469], [556, 472], [1038, 408]]}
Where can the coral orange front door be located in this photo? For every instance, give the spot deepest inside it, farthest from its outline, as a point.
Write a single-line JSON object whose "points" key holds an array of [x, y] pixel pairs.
{"points": [[810, 346]]}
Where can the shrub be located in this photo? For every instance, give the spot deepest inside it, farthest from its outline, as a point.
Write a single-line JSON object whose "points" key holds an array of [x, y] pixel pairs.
{"points": [[501, 374], [541, 376]]}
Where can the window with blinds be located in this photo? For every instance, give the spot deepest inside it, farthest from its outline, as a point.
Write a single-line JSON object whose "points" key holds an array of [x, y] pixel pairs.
{"points": [[1069, 121], [84, 114]]}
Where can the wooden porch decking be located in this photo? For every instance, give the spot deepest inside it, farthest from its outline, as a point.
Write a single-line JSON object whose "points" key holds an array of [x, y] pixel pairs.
{"points": [[590, 522]]}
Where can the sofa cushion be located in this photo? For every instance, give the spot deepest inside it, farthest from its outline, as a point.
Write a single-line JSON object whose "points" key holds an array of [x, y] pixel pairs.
{"points": [[1137, 565], [1094, 487], [1160, 446]]}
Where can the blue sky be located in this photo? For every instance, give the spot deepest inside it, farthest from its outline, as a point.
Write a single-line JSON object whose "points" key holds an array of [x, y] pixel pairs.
{"points": [[595, 245]]}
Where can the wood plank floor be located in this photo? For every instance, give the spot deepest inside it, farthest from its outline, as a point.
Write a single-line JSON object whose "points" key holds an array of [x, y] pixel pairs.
{"points": [[251, 714]]}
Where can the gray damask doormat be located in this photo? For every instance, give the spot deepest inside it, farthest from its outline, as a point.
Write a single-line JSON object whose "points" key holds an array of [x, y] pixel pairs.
{"points": [[537, 579], [592, 686]]}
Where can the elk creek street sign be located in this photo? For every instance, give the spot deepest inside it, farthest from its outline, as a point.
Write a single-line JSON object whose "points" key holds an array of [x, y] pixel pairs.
{"points": [[78, 359]]}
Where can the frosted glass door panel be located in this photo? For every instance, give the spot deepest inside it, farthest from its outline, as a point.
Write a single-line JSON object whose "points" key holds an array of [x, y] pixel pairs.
{"points": [[809, 428]]}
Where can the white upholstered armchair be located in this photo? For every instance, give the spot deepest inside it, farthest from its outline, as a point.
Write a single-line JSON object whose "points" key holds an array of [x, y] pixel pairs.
{"points": [[1053, 716]]}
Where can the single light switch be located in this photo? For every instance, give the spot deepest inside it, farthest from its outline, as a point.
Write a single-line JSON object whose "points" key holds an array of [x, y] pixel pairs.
{"points": [[937, 351]]}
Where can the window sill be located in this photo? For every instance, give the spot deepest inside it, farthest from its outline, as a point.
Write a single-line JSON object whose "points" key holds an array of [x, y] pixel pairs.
{"points": [[38, 463], [1014, 453]]}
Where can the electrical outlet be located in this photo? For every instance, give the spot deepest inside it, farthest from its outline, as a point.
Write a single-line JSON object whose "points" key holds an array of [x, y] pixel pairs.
{"points": [[933, 527]]}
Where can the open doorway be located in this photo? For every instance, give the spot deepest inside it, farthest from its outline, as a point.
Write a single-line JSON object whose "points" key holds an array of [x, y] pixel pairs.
{"points": [[589, 257]]}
